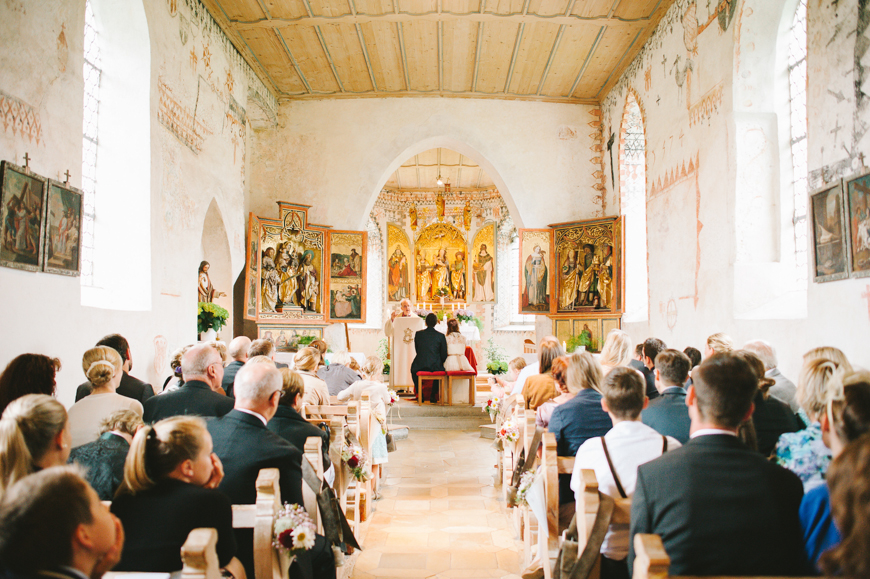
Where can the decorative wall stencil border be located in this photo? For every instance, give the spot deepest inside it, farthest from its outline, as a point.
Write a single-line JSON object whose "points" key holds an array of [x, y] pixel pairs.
{"points": [[21, 117], [180, 120], [675, 175], [706, 107], [597, 148]]}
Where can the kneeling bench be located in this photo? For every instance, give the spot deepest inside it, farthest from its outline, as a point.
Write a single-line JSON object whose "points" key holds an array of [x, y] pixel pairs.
{"points": [[462, 375], [439, 377]]}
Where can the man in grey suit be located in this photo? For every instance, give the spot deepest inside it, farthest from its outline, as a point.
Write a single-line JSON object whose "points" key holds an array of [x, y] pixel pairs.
{"points": [[720, 508], [668, 414], [784, 389], [238, 351]]}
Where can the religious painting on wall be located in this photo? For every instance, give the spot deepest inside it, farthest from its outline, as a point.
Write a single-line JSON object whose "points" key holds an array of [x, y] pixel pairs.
{"points": [[829, 240], [483, 270], [287, 338], [252, 291], [22, 215], [536, 271], [440, 264], [347, 287], [398, 264], [857, 189], [588, 333], [587, 266], [63, 230]]}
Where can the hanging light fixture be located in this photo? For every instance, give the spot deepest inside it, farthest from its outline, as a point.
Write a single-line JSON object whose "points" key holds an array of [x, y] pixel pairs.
{"points": [[439, 180]]}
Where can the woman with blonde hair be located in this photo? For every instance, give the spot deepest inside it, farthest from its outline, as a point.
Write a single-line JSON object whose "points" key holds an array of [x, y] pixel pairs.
{"points": [[34, 435], [307, 360], [718, 343], [102, 367], [616, 351], [170, 488], [560, 376], [379, 396], [804, 452]]}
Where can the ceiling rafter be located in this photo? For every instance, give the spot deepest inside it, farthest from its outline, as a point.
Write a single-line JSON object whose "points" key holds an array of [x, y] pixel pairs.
{"points": [[592, 50], [417, 165], [324, 47], [362, 45], [293, 60], [517, 42], [554, 49]]}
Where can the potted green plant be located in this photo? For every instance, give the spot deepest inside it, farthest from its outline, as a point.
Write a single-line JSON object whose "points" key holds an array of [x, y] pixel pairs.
{"points": [[496, 358], [210, 318]]}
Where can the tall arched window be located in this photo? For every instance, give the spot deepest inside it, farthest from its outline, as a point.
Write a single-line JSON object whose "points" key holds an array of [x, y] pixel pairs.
{"points": [[797, 83], [91, 72], [632, 202]]}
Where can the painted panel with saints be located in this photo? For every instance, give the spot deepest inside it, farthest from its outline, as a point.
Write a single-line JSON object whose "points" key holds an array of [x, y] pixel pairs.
{"points": [[62, 244], [535, 270], [440, 264], [398, 264], [587, 266], [22, 198], [347, 290], [252, 287], [483, 283]]}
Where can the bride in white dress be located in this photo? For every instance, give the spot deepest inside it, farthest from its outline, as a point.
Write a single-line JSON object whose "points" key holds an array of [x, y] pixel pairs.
{"points": [[456, 360]]}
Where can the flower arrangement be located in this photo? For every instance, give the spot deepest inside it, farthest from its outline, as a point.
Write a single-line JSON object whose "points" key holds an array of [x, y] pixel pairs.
{"points": [[423, 313], [464, 315], [442, 292], [384, 354], [497, 357], [492, 407], [393, 397], [526, 481], [210, 315], [293, 531], [509, 431], [355, 458]]}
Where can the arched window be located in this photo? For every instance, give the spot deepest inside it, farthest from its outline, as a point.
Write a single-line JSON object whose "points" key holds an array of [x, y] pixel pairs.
{"points": [[797, 83], [116, 157], [632, 202]]}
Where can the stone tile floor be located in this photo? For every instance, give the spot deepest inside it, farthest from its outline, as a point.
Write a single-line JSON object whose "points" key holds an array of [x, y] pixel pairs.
{"points": [[440, 515]]}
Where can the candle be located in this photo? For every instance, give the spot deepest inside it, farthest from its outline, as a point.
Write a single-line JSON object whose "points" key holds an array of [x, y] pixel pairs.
{"points": [[564, 346]]}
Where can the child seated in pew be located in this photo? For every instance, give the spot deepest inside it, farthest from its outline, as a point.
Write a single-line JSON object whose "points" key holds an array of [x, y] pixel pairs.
{"points": [[615, 457], [504, 386], [52, 524], [169, 489]]}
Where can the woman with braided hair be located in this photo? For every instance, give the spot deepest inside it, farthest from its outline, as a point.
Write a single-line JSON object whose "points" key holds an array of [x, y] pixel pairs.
{"points": [[103, 367]]}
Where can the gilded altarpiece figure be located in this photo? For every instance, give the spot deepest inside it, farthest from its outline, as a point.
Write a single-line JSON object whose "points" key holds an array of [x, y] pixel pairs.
{"points": [[588, 266], [399, 264], [483, 265], [440, 264]]}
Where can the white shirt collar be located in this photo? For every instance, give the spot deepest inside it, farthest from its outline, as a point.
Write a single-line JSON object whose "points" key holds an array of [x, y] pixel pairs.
{"points": [[709, 431], [257, 414]]}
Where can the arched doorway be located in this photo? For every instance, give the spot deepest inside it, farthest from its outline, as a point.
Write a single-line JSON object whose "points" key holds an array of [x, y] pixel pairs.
{"points": [[216, 251]]}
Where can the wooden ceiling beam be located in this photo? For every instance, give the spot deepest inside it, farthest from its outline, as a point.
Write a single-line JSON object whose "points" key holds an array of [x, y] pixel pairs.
{"points": [[439, 189], [440, 53], [319, 95], [436, 16], [519, 39], [554, 49], [324, 47], [588, 59], [362, 45], [477, 56], [417, 165], [293, 60]]}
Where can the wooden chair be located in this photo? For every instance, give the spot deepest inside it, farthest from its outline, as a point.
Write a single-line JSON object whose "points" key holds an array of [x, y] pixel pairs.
{"points": [[439, 378], [199, 555], [472, 387], [529, 347]]}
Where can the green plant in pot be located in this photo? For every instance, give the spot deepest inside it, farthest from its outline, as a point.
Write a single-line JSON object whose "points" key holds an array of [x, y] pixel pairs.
{"points": [[497, 358], [210, 316]]}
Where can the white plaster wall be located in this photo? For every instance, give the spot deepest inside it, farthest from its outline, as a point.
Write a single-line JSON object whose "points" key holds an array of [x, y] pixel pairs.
{"points": [[43, 71], [741, 255]]}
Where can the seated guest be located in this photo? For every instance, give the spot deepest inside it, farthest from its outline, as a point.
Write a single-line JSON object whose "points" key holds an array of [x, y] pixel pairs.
{"points": [[245, 446], [848, 481], [720, 508], [651, 349], [668, 414], [338, 374], [637, 361], [783, 389], [615, 457], [316, 390], [456, 343], [289, 424], [541, 387], [264, 348], [379, 398], [52, 524], [34, 435], [771, 418], [718, 343], [175, 381], [169, 489], [322, 348], [130, 387], [103, 459], [847, 420], [238, 351], [559, 369], [694, 355], [102, 366], [615, 352], [827, 352], [28, 374], [578, 420], [504, 386], [804, 452], [431, 348], [354, 365], [221, 348], [203, 371], [532, 368]]}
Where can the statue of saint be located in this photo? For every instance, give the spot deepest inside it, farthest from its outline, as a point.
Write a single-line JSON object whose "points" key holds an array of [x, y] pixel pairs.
{"points": [[412, 214], [589, 280], [206, 291], [483, 282], [439, 204], [466, 216], [536, 278], [271, 279], [441, 270], [605, 278], [457, 276], [424, 278], [308, 283], [397, 283], [571, 271]]}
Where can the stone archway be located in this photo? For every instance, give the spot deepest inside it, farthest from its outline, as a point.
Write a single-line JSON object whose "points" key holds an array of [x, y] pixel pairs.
{"points": [[216, 251]]}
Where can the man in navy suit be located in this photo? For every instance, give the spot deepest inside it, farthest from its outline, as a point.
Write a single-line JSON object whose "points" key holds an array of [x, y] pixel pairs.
{"points": [[668, 414], [431, 347]]}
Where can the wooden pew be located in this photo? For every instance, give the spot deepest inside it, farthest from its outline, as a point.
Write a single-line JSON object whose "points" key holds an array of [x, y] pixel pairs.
{"points": [[199, 555], [260, 516]]}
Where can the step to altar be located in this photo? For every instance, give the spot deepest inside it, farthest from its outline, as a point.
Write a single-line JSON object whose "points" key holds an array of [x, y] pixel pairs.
{"points": [[437, 417]]}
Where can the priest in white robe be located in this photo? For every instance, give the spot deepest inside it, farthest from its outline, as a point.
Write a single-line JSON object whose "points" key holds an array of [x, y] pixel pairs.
{"points": [[400, 330]]}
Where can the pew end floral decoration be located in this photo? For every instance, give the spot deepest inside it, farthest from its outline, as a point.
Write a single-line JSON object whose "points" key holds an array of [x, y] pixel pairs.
{"points": [[526, 481], [393, 397], [355, 459], [492, 407], [509, 431], [293, 531]]}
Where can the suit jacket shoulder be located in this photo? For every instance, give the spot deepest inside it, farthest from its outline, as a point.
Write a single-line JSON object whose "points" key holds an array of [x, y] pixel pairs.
{"points": [[134, 388], [193, 398]]}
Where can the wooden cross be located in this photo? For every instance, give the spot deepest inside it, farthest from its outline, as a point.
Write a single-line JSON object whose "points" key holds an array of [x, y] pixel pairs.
{"points": [[866, 295], [67, 177], [26, 161]]}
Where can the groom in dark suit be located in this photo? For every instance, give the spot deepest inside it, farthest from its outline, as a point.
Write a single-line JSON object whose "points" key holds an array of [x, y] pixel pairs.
{"points": [[431, 347], [719, 507], [668, 414]]}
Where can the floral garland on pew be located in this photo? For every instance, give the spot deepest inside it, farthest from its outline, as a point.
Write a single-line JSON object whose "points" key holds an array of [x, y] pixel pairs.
{"points": [[492, 407], [508, 431], [293, 531], [355, 459], [526, 481]]}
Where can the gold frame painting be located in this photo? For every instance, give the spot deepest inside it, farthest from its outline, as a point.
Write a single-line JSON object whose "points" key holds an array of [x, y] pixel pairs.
{"points": [[588, 268], [483, 280], [536, 271], [441, 263], [596, 328], [22, 217], [830, 260], [63, 229], [285, 336], [252, 281], [857, 191], [398, 272], [346, 288]]}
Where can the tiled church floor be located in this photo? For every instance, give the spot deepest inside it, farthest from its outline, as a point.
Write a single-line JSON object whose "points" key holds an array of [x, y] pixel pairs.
{"points": [[440, 515]]}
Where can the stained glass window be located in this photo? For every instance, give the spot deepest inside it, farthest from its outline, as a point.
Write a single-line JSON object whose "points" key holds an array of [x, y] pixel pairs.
{"points": [[632, 178]]}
